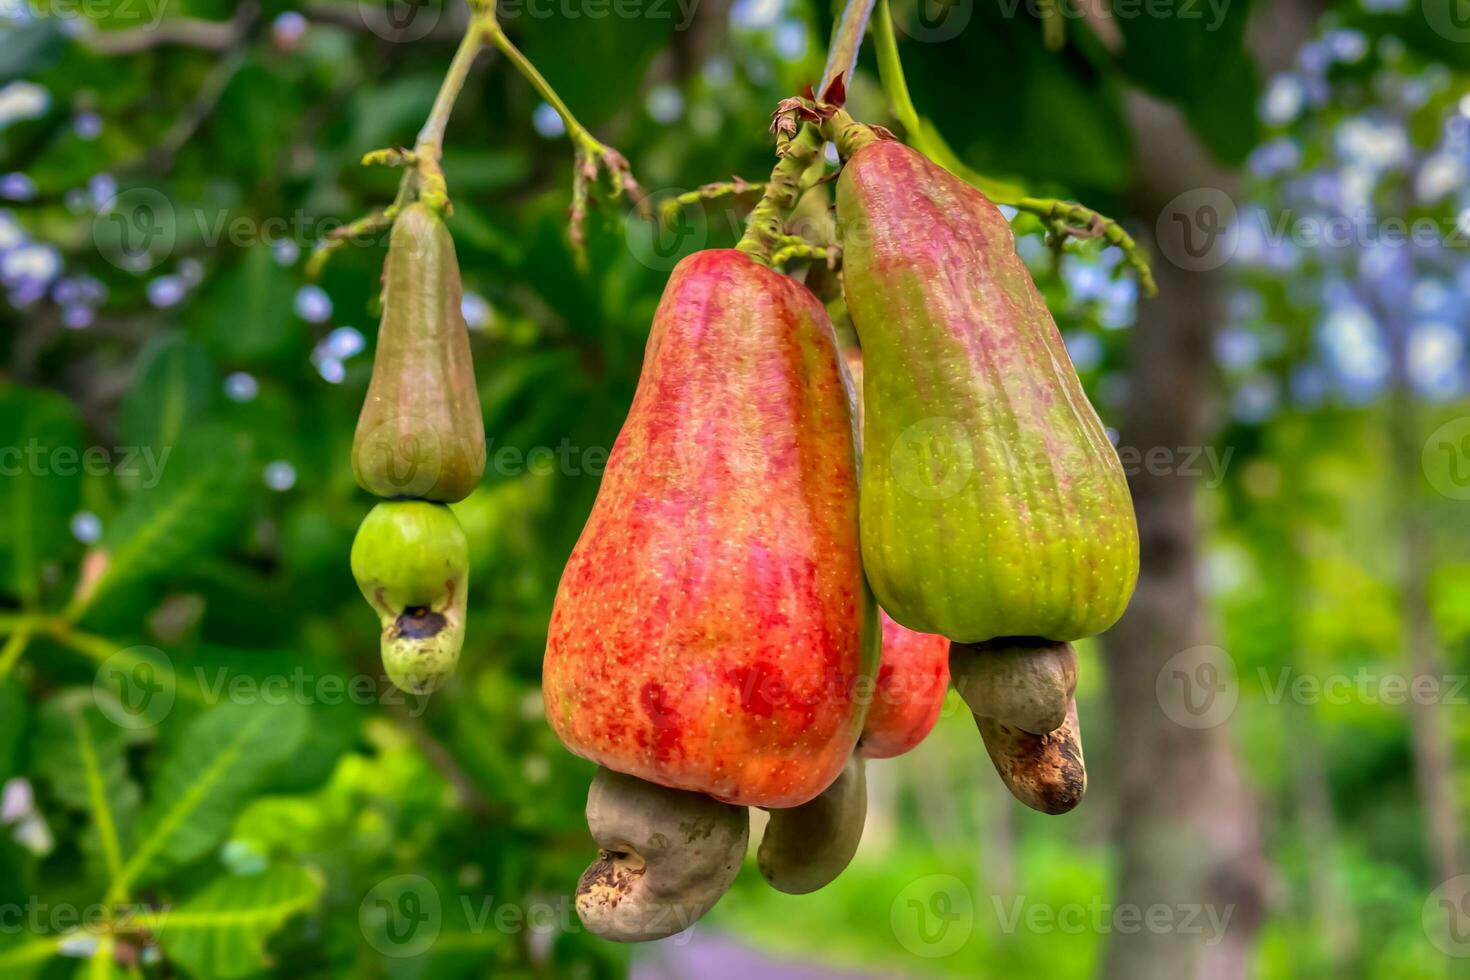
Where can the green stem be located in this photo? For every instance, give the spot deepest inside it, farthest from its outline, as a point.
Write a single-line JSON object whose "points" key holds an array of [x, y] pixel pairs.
{"points": [[576, 132], [14, 647], [767, 224], [847, 39], [890, 71]]}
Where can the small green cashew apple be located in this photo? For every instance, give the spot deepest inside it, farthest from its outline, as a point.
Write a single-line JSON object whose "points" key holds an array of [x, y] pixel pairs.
{"points": [[1022, 681], [806, 847], [667, 856], [411, 561]]}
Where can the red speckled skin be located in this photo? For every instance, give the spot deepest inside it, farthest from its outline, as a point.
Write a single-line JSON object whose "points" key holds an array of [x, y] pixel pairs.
{"points": [[708, 630], [913, 676], [912, 681]]}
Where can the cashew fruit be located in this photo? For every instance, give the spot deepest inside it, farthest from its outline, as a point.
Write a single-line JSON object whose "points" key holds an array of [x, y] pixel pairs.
{"points": [[1023, 682], [411, 561], [806, 847], [993, 503], [666, 857], [421, 434], [713, 623]]}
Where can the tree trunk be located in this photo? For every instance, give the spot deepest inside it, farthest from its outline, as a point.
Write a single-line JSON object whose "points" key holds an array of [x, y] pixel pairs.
{"points": [[1186, 824]]}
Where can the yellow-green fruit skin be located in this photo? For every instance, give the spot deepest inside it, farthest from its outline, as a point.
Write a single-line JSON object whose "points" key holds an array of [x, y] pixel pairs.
{"points": [[421, 434], [992, 502], [411, 561]]}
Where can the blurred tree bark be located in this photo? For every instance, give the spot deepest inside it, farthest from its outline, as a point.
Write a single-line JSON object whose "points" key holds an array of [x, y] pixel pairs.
{"points": [[1187, 825]]}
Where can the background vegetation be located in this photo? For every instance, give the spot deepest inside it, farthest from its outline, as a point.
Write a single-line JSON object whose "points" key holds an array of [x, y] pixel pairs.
{"points": [[191, 718]]}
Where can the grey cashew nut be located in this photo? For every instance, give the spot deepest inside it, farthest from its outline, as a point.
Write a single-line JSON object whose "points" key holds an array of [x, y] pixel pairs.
{"points": [[667, 856], [1045, 772], [1024, 682], [806, 847]]}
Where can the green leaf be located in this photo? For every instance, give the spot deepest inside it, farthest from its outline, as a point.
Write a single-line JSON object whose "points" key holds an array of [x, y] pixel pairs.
{"points": [[221, 931], [199, 789], [1042, 115], [40, 480], [197, 501], [21, 956], [249, 313], [14, 719], [1199, 62], [596, 64], [82, 754], [173, 387]]}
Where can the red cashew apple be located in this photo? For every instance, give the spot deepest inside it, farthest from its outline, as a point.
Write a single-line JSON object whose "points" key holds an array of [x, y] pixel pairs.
{"points": [[713, 627]]}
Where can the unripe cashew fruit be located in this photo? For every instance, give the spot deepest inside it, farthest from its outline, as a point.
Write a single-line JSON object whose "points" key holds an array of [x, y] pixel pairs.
{"points": [[1045, 772], [411, 561], [806, 847], [420, 434], [667, 857], [1024, 682]]}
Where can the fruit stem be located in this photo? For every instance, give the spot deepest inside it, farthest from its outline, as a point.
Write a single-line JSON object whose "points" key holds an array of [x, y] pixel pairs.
{"points": [[767, 225], [847, 40]]}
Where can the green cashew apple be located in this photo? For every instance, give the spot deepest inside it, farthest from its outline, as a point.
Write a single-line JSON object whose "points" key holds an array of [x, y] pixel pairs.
{"points": [[411, 561], [992, 502]]}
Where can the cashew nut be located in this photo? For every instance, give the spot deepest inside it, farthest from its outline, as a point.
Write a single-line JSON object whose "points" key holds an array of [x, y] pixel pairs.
{"points": [[1024, 682], [1045, 772], [806, 847], [667, 856]]}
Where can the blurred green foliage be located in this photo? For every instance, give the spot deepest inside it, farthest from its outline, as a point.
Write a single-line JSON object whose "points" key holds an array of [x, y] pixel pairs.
{"points": [[189, 687]]}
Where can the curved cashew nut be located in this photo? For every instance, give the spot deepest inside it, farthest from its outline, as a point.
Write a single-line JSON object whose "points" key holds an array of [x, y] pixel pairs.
{"points": [[1045, 772], [667, 857], [1023, 682], [806, 847]]}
